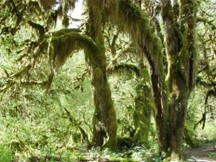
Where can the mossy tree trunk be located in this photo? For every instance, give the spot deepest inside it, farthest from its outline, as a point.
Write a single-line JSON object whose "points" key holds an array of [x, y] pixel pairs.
{"points": [[150, 46], [179, 38], [143, 107], [104, 120]]}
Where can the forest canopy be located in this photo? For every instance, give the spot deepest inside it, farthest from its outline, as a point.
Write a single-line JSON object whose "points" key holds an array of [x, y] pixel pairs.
{"points": [[107, 80]]}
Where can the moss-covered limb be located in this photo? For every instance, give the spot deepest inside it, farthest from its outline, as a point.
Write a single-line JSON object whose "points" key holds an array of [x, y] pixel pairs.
{"points": [[124, 53], [124, 68], [61, 47], [39, 49], [139, 28], [64, 31], [112, 43], [62, 44], [137, 24], [149, 44], [104, 120]]}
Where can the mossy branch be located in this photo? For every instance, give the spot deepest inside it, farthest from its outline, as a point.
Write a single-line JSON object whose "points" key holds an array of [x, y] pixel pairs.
{"points": [[63, 43], [61, 47], [125, 68], [130, 16]]}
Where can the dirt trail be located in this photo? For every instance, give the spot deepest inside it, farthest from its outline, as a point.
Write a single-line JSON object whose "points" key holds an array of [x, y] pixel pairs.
{"points": [[200, 154]]}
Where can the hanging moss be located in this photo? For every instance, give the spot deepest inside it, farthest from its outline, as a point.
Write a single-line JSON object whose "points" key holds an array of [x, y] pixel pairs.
{"points": [[62, 46], [130, 16], [127, 69], [65, 21]]}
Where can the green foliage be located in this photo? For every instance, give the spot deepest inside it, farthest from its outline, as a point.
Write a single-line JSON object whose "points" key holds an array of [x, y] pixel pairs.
{"points": [[122, 159], [6, 154], [212, 155]]}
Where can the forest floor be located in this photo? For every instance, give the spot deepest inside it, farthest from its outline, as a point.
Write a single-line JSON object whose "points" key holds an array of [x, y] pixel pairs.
{"points": [[201, 154]]}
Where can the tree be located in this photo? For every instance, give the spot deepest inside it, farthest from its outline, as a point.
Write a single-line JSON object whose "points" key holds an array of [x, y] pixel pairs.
{"points": [[104, 120], [171, 95]]}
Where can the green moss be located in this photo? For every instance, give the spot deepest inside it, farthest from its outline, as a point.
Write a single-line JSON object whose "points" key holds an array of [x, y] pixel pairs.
{"points": [[125, 69], [212, 154], [122, 159], [142, 113], [63, 45], [98, 76]]}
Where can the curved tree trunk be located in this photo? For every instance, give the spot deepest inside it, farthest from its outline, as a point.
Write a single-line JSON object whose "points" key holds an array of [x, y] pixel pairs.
{"points": [[104, 120]]}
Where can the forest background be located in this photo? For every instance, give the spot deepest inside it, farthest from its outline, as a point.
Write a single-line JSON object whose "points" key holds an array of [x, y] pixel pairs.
{"points": [[126, 81]]}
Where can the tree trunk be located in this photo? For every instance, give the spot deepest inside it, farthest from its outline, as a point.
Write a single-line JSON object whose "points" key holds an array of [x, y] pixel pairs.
{"points": [[177, 111], [143, 108], [104, 120], [179, 40]]}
